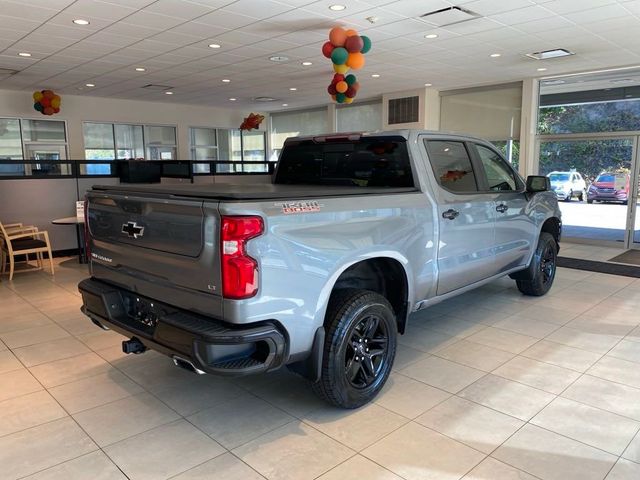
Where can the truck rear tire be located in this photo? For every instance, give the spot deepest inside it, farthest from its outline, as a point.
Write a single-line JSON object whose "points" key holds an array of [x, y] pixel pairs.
{"points": [[538, 278], [359, 349]]}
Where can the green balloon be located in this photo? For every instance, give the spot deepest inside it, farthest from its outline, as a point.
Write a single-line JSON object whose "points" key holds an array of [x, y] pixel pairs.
{"points": [[367, 44], [340, 97], [350, 79], [339, 55]]}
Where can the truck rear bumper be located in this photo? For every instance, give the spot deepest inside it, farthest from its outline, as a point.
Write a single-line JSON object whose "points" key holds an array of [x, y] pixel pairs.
{"points": [[209, 345]]}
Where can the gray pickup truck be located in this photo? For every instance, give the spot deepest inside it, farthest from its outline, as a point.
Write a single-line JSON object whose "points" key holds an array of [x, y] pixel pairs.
{"points": [[321, 269]]}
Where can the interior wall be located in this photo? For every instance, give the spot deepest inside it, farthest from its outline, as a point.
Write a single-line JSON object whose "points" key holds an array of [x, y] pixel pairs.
{"points": [[76, 109]]}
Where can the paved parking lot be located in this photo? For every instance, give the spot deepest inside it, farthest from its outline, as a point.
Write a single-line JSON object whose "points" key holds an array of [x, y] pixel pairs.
{"points": [[600, 221]]}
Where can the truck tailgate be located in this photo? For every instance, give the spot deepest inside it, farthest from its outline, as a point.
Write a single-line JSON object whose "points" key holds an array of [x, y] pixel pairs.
{"points": [[160, 247]]}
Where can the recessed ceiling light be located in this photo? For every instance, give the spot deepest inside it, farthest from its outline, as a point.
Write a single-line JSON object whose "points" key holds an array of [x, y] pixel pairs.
{"points": [[431, 35], [278, 58], [428, 84], [226, 80], [306, 64], [542, 69], [168, 93], [375, 75], [285, 104], [293, 89], [89, 85], [141, 69], [555, 53], [24, 54], [232, 99], [337, 8], [495, 55], [214, 45], [81, 21]]}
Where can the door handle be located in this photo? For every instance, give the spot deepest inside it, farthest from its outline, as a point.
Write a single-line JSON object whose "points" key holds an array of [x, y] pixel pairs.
{"points": [[450, 214], [502, 208]]}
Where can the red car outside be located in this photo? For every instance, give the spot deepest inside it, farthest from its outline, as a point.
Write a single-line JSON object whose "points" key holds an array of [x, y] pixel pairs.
{"points": [[609, 187]]}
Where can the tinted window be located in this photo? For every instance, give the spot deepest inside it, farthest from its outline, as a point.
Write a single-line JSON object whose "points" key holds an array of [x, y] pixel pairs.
{"points": [[499, 175], [366, 162], [451, 165], [559, 177], [605, 178]]}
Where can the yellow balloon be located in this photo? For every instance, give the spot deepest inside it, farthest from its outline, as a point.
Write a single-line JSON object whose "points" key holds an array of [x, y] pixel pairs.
{"points": [[55, 103], [37, 96], [340, 68], [348, 100]]}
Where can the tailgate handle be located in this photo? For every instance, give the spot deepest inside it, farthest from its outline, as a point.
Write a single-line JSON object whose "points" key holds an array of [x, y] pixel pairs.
{"points": [[450, 214]]}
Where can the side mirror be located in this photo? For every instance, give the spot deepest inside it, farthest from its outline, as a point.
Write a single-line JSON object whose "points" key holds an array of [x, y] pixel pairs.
{"points": [[538, 183]]}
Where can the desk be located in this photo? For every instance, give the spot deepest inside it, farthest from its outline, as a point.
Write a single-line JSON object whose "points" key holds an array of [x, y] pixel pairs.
{"points": [[79, 223]]}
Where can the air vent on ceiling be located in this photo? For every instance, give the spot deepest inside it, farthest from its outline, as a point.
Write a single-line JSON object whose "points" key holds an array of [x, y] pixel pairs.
{"points": [[403, 110], [158, 88], [264, 99], [449, 16], [547, 54]]}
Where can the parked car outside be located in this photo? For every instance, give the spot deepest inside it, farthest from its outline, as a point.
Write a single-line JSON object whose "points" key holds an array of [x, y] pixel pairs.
{"points": [[609, 187], [567, 185]]}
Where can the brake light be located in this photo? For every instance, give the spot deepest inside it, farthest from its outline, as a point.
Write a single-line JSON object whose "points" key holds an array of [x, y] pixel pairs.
{"points": [[87, 243], [239, 270]]}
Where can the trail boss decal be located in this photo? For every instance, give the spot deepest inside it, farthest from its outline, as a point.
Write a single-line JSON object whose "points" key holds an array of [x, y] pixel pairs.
{"points": [[289, 208]]}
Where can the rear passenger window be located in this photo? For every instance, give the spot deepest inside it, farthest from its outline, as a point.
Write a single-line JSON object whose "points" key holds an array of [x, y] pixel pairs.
{"points": [[452, 165], [499, 176]]}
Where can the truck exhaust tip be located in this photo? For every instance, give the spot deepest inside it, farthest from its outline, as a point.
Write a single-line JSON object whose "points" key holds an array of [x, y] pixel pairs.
{"points": [[187, 365]]}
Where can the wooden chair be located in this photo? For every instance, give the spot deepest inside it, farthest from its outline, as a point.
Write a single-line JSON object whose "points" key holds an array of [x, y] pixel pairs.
{"points": [[17, 239]]}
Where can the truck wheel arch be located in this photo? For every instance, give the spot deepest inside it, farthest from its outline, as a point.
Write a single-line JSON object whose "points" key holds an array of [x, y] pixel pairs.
{"points": [[384, 275], [553, 226]]}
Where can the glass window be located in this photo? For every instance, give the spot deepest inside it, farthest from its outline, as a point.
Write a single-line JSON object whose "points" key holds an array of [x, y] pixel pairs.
{"points": [[204, 146], [203, 137], [10, 139], [161, 142], [293, 124], [360, 117], [451, 165], [129, 141], [499, 175], [43, 131], [367, 162], [253, 146]]}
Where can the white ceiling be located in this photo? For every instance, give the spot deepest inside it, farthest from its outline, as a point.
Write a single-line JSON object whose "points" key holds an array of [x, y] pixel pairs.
{"points": [[170, 39]]}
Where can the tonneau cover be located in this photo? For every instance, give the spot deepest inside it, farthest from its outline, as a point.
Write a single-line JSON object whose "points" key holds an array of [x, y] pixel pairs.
{"points": [[257, 191]]}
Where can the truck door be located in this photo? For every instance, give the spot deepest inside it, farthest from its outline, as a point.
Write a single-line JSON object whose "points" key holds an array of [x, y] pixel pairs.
{"points": [[466, 216], [515, 230]]}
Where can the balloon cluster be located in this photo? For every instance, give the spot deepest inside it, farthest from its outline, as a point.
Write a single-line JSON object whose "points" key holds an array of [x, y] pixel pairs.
{"points": [[346, 50], [47, 102]]}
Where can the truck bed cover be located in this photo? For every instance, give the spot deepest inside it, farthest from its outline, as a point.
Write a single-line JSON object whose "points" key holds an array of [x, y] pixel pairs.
{"points": [[249, 191]]}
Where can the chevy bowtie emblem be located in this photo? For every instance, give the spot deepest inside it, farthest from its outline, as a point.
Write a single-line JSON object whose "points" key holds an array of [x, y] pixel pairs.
{"points": [[132, 229]]}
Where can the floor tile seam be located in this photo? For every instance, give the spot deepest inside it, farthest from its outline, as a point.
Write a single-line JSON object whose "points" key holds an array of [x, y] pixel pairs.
{"points": [[555, 364], [103, 449], [530, 386], [226, 452], [50, 361], [98, 449], [367, 458], [459, 337], [437, 354]]}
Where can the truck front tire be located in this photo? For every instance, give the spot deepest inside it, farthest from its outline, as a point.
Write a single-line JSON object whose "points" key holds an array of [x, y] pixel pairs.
{"points": [[537, 279], [359, 349]]}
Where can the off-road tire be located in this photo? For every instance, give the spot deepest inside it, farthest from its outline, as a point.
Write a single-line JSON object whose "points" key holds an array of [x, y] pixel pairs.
{"points": [[348, 311], [538, 278]]}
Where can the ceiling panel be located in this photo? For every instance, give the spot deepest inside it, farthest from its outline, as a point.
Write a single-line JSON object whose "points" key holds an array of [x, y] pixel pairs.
{"points": [[170, 39]]}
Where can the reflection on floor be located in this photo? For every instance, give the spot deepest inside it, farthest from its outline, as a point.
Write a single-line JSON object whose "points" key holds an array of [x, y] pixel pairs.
{"points": [[487, 386], [589, 252]]}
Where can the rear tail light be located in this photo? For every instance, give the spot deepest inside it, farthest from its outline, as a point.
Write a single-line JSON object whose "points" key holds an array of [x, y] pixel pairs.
{"points": [[239, 270], [87, 243]]}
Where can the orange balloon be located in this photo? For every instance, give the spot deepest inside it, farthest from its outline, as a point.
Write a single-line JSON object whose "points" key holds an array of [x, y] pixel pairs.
{"points": [[341, 87], [351, 32], [48, 94], [355, 60], [337, 36], [333, 97], [340, 68]]}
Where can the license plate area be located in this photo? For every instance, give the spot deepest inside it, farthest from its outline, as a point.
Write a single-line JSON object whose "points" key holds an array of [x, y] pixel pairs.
{"points": [[143, 312]]}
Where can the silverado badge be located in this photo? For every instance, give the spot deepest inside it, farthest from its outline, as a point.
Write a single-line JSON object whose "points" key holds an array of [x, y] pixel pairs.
{"points": [[132, 229]]}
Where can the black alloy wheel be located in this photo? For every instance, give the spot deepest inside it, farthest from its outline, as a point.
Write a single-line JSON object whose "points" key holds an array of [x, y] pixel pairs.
{"points": [[366, 352]]}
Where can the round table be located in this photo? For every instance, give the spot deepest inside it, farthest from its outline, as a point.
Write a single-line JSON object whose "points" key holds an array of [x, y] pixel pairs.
{"points": [[79, 223]]}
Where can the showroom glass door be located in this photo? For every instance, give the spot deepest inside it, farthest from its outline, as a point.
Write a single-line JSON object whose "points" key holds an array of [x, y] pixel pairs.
{"points": [[634, 210], [591, 176]]}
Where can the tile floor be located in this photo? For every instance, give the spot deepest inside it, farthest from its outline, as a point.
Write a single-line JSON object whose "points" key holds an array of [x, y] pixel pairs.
{"points": [[489, 386]]}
